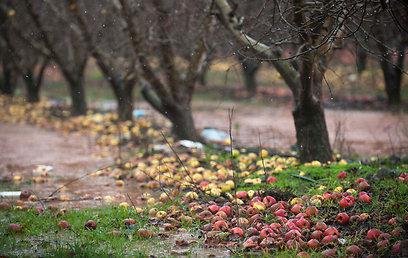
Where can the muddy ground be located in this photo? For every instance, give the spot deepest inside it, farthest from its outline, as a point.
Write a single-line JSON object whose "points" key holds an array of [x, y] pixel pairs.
{"points": [[366, 133], [22, 147]]}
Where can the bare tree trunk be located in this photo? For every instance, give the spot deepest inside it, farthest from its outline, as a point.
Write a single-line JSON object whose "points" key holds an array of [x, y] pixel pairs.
{"points": [[311, 132], [310, 123], [361, 59], [33, 91], [124, 96], [392, 75], [8, 80], [33, 82], [77, 92], [179, 114], [183, 123], [249, 69]]}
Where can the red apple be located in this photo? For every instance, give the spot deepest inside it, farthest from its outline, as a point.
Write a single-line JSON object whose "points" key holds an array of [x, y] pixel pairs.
{"points": [[327, 196], [90, 225], [329, 238], [317, 234], [264, 233], [269, 201], [320, 225], [214, 208], [342, 175], [313, 243], [281, 213], [227, 209], [303, 223], [331, 231], [237, 231], [342, 218], [14, 227], [221, 214], [354, 250], [346, 202], [242, 195], [296, 208], [293, 234], [271, 180], [363, 186], [396, 248], [359, 180], [220, 225], [373, 233], [364, 198], [63, 224], [330, 253], [383, 244], [275, 227], [312, 211]]}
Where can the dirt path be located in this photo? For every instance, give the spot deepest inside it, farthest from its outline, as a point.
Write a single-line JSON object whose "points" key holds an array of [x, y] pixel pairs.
{"points": [[368, 133], [22, 147]]}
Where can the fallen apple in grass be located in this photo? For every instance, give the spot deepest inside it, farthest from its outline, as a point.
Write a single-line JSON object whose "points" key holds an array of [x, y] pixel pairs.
{"points": [[364, 197], [129, 221], [271, 180], [313, 244], [347, 202], [90, 225], [220, 225], [214, 208], [14, 227], [242, 195], [237, 231], [296, 208], [311, 211], [342, 175], [353, 250], [63, 224], [227, 209], [373, 234], [342, 218]]}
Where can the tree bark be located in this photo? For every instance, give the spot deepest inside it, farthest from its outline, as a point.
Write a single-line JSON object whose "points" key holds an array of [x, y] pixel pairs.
{"points": [[361, 59], [393, 75], [311, 133], [124, 96], [77, 91], [183, 126], [310, 123], [9, 80], [33, 90], [249, 70], [179, 114]]}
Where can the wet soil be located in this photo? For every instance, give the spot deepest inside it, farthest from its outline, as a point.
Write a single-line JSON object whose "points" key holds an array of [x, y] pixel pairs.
{"points": [[366, 133], [23, 147]]}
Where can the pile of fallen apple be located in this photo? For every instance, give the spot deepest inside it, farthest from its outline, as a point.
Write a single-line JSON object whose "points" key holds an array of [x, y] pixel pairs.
{"points": [[260, 222], [105, 127]]}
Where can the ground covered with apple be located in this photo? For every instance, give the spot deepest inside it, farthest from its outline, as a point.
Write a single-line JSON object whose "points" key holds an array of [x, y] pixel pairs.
{"points": [[211, 202]]}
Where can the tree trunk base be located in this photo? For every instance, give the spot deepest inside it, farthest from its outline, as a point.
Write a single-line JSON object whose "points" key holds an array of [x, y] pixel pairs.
{"points": [[183, 125], [311, 133]]}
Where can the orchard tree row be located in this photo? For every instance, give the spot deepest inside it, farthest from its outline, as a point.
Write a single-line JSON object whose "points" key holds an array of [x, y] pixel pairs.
{"points": [[164, 48]]}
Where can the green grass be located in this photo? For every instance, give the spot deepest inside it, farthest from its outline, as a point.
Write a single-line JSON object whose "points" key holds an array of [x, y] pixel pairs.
{"points": [[42, 237]]}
